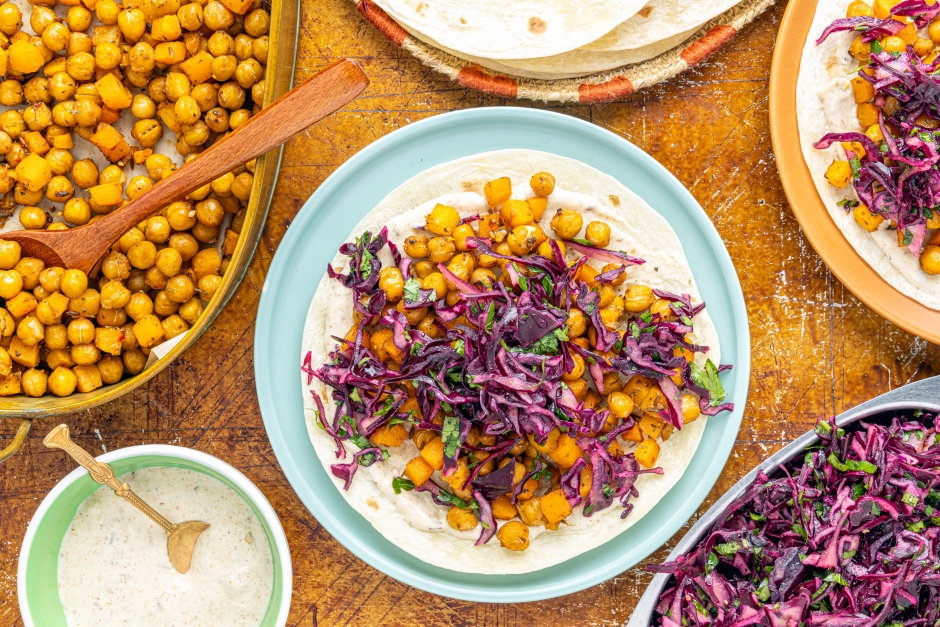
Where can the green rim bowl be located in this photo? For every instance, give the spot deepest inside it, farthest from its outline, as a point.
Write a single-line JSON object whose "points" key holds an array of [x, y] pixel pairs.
{"points": [[327, 219], [37, 585]]}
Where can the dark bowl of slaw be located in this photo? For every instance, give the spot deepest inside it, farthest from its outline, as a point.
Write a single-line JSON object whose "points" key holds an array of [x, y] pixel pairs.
{"points": [[921, 396]]}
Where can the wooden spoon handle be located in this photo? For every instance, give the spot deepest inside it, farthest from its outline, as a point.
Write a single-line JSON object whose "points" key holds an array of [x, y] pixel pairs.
{"points": [[289, 115], [102, 473]]}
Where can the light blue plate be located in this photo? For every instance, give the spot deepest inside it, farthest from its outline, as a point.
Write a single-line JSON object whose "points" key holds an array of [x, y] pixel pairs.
{"points": [[330, 215]]}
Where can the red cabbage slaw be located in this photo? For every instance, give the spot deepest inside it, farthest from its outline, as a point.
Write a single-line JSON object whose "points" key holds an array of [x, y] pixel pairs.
{"points": [[499, 367], [898, 179], [845, 536]]}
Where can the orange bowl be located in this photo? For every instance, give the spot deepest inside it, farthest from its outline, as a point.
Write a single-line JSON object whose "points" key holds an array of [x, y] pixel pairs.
{"points": [[808, 208]]}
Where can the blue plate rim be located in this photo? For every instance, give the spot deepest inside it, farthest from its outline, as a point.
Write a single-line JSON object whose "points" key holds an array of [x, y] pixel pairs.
{"points": [[333, 524]]}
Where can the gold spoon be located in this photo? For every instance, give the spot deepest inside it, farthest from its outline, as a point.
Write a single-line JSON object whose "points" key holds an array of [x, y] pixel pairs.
{"points": [[181, 538]]}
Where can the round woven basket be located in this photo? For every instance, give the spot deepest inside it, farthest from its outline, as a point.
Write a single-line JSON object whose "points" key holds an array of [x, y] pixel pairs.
{"points": [[593, 89]]}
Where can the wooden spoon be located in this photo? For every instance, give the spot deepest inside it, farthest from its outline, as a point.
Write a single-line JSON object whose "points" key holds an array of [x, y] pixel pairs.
{"points": [[181, 538], [306, 104]]}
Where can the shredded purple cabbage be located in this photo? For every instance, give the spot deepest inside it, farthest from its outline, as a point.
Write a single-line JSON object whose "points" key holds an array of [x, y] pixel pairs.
{"points": [[845, 536], [899, 179], [497, 366]]}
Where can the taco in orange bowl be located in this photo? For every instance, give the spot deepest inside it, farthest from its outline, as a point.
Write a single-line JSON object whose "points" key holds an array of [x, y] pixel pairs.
{"points": [[867, 104]]}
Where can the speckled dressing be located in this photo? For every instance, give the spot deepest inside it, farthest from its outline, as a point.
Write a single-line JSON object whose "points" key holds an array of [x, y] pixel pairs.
{"points": [[113, 566]]}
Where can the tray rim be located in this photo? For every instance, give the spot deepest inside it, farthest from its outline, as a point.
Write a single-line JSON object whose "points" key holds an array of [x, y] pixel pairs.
{"points": [[839, 256]]}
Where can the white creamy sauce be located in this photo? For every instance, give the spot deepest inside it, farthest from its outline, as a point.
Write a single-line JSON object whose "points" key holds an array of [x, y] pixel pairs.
{"points": [[839, 105], [417, 508], [113, 567]]}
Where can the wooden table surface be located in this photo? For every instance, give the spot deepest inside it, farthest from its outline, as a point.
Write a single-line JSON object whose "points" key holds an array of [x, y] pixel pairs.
{"points": [[816, 349]]}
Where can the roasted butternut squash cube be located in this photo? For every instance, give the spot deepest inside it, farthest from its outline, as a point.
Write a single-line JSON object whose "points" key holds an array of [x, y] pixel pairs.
{"points": [[110, 142], [390, 436], [498, 191], [418, 471], [107, 194], [503, 509], [614, 448], [633, 434], [198, 68], [651, 424], [109, 339], [113, 92], [166, 28], [555, 506], [170, 52], [231, 241], [10, 384], [22, 304], [23, 354], [567, 452], [839, 173], [60, 358], [140, 156], [148, 331], [109, 115], [64, 142], [33, 172], [35, 142], [647, 453], [237, 6], [88, 378], [59, 303], [107, 34]]}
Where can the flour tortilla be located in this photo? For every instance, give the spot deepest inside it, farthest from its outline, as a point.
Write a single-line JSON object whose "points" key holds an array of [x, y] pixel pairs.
{"points": [[658, 20], [636, 229], [824, 104], [573, 64], [518, 29]]}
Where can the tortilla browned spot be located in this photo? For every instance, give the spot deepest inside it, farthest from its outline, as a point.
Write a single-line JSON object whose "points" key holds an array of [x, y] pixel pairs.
{"points": [[537, 25], [645, 11], [614, 200], [472, 185], [372, 503]]}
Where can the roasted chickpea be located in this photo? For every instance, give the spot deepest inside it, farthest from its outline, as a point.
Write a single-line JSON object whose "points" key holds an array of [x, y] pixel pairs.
{"points": [[461, 519], [441, 249], [930, 259], [391, 282], [110, 369], [523, 239], [638, 298], [185, 243], [514, 536], [566, 223], [209, 285], [416, 246], [142, 255], [158, 230], [435, 281], [191, 310], [598, 233], [484, 278], [81, 331], [9, 254], [85, 173], [11, 283], [62, 381]]}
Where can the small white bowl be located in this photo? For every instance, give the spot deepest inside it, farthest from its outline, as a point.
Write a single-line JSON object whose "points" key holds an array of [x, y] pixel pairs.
{"points": [[37, 585]]}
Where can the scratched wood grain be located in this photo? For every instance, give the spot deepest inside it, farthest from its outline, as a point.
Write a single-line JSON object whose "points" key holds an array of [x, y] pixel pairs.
{"points": [[816, 349]]}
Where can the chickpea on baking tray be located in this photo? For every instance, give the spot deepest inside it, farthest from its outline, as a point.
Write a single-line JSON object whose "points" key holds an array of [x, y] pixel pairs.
{"points": [[181, 72]]}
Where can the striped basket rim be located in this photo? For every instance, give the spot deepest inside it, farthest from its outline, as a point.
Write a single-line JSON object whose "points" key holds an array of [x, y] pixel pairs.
{"points": [[597, 88]]}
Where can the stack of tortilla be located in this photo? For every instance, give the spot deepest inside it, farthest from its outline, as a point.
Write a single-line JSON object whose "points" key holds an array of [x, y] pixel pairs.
{"points": [[553, 39]]}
